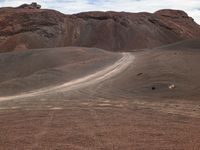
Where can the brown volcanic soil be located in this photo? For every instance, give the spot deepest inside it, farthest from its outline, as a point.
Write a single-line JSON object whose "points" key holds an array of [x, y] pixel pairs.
{"points": [[29, 70], [122, 112], [118, 31]]}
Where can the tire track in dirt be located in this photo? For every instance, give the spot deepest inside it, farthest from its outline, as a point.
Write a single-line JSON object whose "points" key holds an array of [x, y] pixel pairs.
{"points": [[104, 74]]}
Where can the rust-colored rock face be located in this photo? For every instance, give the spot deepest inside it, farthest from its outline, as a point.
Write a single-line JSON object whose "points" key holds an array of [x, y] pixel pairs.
{"points": [[29, 28], [22, 28]]}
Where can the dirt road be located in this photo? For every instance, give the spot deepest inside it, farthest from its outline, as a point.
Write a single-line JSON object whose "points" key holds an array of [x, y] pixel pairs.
{"points": [[108, 72]]}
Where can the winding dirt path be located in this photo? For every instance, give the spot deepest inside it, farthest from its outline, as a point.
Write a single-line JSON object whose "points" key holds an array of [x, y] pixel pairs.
{"points": [[104, 74]]}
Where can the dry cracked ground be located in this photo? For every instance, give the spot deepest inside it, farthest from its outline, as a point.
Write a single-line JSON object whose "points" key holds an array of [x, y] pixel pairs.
{"points": [[89, 99]]}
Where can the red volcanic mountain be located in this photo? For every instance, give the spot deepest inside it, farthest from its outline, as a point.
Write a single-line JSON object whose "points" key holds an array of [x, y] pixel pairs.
{"points": [[28, 27]]}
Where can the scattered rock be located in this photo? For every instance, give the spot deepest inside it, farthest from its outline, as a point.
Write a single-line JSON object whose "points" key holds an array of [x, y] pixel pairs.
{"points": [[139, 74], [172, 86]]}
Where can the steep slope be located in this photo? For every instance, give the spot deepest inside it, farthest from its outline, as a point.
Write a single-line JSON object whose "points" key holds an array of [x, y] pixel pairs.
{"points": [[22, 28], [126, 31], [29, 28]]}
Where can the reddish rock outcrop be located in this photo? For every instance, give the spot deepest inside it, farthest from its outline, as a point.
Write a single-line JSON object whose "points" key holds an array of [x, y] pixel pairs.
{"points": [[22, 28], [31, 6]]}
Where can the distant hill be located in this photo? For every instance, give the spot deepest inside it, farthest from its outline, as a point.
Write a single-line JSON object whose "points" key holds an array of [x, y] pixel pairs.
{"points": [[29, 27]]}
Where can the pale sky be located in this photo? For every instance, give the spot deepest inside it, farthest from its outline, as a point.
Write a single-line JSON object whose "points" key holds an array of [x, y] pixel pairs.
{"points": [[192, 7]]}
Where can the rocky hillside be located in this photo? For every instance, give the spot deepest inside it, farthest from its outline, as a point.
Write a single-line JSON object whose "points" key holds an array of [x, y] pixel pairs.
{"points": [[28, 27]]}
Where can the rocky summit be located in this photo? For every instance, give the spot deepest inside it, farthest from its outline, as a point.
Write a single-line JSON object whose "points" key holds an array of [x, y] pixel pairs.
{"points": [[29, 27]]}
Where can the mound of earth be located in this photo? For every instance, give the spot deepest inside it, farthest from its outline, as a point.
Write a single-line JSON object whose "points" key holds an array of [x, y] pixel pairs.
{"points": [[22, 28], [35, 69], [154, 71]]}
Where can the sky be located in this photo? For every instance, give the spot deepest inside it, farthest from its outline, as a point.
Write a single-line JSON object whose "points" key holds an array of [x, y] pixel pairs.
{"points": [[192, 7]]}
